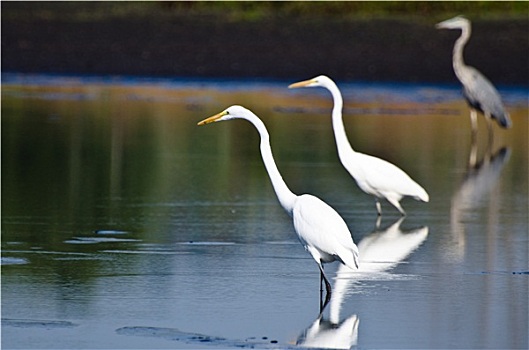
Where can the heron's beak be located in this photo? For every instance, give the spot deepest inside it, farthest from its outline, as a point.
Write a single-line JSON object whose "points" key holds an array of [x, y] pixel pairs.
{"points": [[212, 119], [304, 83]]}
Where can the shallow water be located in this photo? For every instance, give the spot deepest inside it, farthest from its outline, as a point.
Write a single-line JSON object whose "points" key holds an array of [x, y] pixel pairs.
{"points": [[124, 225]]}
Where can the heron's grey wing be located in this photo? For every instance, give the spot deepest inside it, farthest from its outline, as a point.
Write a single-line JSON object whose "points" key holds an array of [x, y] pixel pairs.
{"points": [[483, 96]]}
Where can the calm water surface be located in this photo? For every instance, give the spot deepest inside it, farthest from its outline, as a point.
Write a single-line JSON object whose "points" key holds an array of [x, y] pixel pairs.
{"points": [[124, 225]]}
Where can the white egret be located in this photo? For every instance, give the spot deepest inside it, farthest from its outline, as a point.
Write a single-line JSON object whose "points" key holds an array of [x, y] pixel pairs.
{"points": [[320, 229], [478, 91], [373, 175]]}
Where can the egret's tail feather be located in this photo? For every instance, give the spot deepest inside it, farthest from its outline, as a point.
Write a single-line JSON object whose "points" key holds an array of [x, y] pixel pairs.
{"points": [[350, 258], [423, 196]]}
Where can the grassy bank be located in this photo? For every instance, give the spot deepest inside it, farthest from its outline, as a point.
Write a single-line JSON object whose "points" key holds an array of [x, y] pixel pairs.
{"points": [[258, 10]]}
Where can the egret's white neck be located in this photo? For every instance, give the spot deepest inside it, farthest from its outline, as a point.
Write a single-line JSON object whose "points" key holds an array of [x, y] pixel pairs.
{"points": [[457, 53], [342, 143], [286, 197]]}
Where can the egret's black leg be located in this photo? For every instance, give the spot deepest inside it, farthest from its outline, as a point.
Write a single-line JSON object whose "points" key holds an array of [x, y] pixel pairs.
{"points": [[327, 288], [321, 290], [327, 284]]}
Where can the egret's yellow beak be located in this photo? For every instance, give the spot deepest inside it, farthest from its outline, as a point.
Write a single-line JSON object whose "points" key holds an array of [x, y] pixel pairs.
{"points": [[212, 119], [301, 84]]}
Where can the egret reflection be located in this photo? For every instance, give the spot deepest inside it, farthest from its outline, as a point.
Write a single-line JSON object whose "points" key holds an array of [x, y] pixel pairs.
{"points": [[324, 334], [380, 251], [383, 249]]}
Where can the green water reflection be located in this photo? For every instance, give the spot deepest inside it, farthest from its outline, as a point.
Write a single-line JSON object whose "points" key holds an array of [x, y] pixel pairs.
{"points": [[84, 158], [127, 164]]}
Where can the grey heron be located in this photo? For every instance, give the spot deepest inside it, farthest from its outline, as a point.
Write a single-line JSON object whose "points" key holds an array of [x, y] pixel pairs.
{"points": [[478, 91]]}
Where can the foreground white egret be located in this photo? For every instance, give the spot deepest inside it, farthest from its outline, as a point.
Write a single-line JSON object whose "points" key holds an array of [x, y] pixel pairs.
{"points": [[321, 230], [478, 90], [373, 175]]}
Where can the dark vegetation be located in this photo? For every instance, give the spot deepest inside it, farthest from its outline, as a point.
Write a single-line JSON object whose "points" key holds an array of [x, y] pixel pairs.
{"points": [[370, 41]]}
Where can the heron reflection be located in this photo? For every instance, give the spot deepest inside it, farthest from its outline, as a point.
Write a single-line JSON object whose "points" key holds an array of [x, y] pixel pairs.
{"points": [[380, 251], [479, 181]]}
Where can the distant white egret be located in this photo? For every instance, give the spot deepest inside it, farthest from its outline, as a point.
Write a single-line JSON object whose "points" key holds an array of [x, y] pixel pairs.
{"points": [[373, 175], [477, 89], [321, 230]]}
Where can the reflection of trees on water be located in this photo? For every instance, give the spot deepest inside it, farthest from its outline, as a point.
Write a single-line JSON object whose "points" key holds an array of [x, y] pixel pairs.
{"points": [[380, 251], [477, 185]]}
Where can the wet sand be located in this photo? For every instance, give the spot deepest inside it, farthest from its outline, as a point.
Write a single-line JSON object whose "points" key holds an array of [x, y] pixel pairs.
{"points": [[205, 46]]}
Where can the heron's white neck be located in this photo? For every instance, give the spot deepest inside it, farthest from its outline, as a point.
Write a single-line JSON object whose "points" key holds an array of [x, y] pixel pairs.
{"points": [[457, 54], [286, 197]]}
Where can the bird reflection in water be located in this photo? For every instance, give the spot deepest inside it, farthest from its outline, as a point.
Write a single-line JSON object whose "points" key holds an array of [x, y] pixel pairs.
{"points": [[380, 251], [478, 182]]}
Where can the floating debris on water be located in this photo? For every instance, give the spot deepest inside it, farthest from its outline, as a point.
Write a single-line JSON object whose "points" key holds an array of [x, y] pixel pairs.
{"points": [[194, 338], [504, 272], [95, 240], [206, 243], [29, 323]]}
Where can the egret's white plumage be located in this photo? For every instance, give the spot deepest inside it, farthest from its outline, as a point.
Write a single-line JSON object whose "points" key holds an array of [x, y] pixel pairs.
{"points": [[479, 92], [321, 230], [373, 175]]}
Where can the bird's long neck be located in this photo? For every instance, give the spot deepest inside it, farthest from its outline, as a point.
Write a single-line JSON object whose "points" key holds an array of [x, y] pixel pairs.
{"points": [[457, 54], [286, 197], [342, 143]]}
